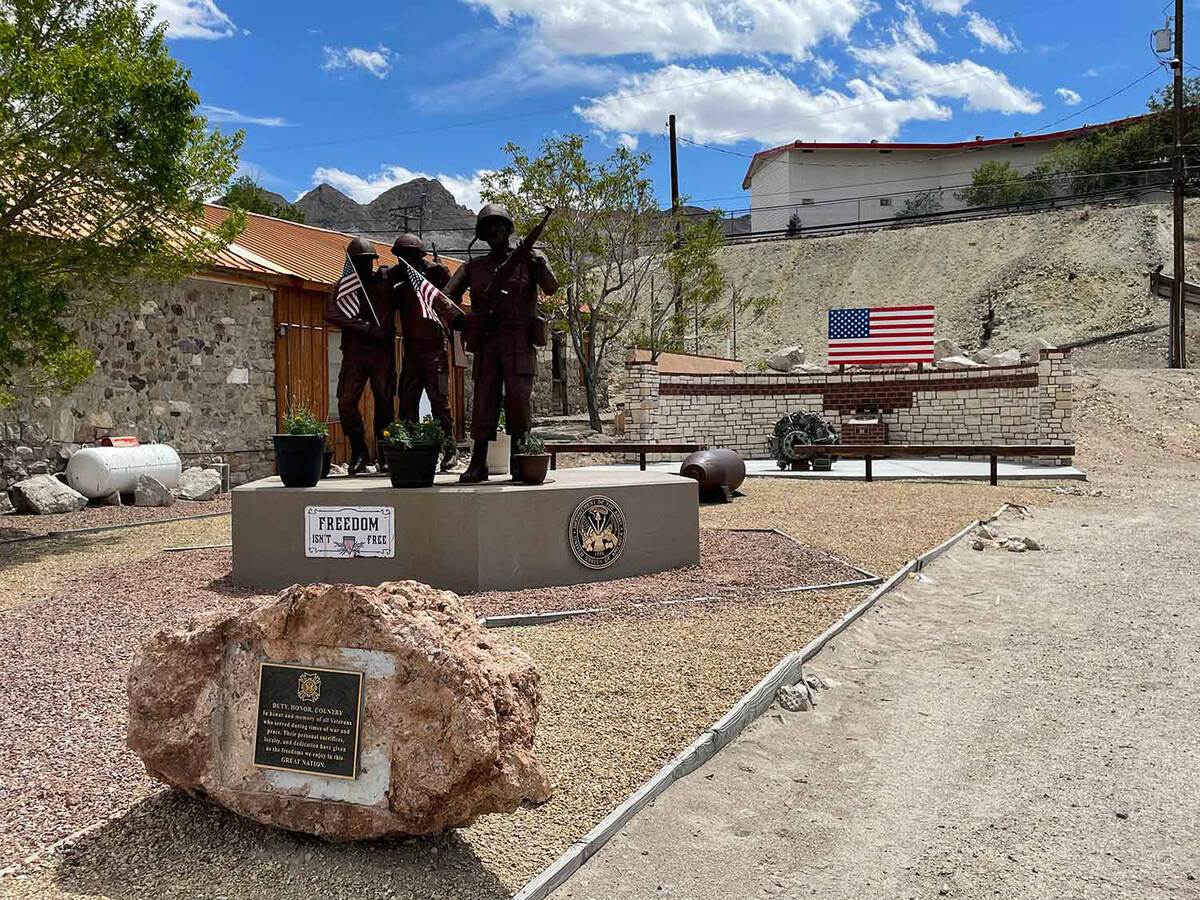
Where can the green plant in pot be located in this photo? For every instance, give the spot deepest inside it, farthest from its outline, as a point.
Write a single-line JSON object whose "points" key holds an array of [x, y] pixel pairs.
{"points": [[531, 460], [412, 450], [300, 449]]}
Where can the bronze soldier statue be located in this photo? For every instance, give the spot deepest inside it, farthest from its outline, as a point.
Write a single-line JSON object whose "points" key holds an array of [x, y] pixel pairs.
{"points": [[425, 365], [368, 353], [502, 330]]}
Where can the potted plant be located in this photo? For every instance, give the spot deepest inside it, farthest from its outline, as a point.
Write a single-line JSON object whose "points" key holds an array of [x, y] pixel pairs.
{"points": [[531, 461], [300, 450], [499, 450], [412, 450]]}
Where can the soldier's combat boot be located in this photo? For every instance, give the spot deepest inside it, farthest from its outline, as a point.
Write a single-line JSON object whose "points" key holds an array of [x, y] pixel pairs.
{"points": [[477, 471], [358, 456], [449, 456]]}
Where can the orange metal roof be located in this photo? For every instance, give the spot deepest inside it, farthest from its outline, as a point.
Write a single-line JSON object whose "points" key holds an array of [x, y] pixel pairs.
{"points": [[278, 247]]}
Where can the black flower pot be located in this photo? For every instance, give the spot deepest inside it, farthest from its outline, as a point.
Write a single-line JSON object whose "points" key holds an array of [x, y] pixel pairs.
{"points": [[299, 458], [412, 468]]}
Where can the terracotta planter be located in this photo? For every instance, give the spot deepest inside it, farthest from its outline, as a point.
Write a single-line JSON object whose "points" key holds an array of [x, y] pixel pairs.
{"points": [[299, 458], [531, 467], [412, 468]]}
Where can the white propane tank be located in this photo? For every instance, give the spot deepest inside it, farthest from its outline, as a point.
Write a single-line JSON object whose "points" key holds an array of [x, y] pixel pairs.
{"points": [[101, 471]]}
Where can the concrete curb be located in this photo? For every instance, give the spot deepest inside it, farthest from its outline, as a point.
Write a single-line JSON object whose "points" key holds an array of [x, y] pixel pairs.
{"points": [[753, 703]]}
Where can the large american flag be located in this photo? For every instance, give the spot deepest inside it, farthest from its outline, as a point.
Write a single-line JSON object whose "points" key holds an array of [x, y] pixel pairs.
{"points": [[426, 293], [350, 291], [873, 336]]}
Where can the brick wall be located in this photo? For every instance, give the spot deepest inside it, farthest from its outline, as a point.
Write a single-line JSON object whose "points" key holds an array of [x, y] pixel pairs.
{"points": [[1029, 404]]}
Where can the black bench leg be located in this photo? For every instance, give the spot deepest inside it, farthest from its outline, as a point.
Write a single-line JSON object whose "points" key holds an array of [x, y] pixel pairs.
{"points": [[867, 459], [553, 461], [642, 460], [995, 473]]}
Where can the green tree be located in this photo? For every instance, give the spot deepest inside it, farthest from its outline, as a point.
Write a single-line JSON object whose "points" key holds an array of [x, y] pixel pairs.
{"points": [[246, 194], [922, 203], [995, 184], [599, 242], [794, 224], [104, 167]]}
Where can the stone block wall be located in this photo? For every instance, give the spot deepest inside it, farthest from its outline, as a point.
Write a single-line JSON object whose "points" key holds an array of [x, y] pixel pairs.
{"points": [[193, 363], [1028, 404]]}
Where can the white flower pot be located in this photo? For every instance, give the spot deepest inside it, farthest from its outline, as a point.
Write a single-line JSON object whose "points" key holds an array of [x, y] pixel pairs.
{"points": [[498, 454]]}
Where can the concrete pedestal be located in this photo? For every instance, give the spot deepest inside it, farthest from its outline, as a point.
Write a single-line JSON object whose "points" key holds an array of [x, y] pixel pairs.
{"points": [[468, 538]]}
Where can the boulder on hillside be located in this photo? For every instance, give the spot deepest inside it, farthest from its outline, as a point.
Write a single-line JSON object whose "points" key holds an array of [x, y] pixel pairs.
{"points": [[45, 495], [958, 362], [151, 492], [196, 483], [6, 506], [1006, 358], [445, 732], [1036, 348], [786, 359], [944, 347]]}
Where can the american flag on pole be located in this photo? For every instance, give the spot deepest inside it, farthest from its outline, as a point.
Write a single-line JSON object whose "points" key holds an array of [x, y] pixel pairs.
{"points": [[426, 293], [350, 292], [873, 336]]}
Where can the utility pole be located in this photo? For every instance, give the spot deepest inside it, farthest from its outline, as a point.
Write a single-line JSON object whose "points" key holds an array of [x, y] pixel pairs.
{"points": [[677, 293], [1178, 345]]}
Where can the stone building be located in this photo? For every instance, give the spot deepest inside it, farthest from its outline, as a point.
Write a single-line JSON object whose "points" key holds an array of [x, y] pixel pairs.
{"points": [[210, 364]]}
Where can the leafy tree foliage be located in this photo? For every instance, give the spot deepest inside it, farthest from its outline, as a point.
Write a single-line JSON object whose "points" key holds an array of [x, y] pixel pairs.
{"points": [[104, 167], [246, 194], [995, 184], [922, 203]]}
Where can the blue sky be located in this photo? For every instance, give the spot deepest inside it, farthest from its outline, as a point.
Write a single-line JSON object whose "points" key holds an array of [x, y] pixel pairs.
{"points": [[367, 96]]}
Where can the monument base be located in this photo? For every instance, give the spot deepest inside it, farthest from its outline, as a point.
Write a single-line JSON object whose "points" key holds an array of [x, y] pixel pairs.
{"points": [[582, 525]]}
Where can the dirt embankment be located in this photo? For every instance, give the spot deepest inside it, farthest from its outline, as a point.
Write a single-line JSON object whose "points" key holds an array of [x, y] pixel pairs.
{"points": [[1062, 276]]}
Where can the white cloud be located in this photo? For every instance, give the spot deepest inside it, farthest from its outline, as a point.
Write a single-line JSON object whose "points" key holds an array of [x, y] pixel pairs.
{"points": [[988, 34], [946, 7], [465, 188], [672, 29], [725, 107], [193, 19], [628, 141], [824, 69], [378, 61], [899, 67], [221, 114], [1068, 96], [911, 32]]}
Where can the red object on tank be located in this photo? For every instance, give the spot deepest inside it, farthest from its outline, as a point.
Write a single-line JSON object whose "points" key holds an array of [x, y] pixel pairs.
{"points": [[120, 442]]}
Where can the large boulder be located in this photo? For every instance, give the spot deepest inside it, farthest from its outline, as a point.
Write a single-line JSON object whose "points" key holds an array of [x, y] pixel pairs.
{"points": [[6, 506], [1005, 358], [944, 347], [786, 359], [447, 721], [958, 362], [149, 491], [45, 495], [197, 484]]}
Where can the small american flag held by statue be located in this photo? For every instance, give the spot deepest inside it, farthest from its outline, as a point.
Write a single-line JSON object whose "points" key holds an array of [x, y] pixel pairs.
{"points": [[426, 293], [350, 290], [874, 336]]}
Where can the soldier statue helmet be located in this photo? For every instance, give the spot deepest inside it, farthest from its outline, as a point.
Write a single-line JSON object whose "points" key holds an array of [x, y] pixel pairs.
{"points": [[492, 212], [408, 245], [361, 247]]}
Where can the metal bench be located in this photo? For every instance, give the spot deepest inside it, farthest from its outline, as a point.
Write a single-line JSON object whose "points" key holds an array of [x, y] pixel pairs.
{"points": [[868, 452], [556, 447]]}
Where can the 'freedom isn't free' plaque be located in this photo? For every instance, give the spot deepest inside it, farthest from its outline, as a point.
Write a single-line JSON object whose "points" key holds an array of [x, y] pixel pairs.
{"points": [[347, 532], [308, 720]]}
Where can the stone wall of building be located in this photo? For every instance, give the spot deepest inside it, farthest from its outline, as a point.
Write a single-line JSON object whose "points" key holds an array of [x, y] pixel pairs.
{"points": [[1030, 404], [193, 365]]}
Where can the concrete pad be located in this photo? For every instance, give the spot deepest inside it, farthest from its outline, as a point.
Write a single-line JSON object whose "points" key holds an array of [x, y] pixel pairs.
{"points": [[499, 535], [896, 469]]}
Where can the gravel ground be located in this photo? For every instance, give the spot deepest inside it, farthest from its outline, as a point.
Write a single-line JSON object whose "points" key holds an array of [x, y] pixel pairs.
{"points": [[15, 527], [33, 569], [734, 566], [1012, 725]]}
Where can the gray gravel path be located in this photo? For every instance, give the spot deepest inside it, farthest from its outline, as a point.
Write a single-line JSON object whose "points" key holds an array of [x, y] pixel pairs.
{"points": [[1020, 725]]}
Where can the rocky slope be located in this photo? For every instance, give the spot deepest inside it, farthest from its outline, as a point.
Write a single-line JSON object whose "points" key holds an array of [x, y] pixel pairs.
{"points": [[1061, 276], [430, 208]]}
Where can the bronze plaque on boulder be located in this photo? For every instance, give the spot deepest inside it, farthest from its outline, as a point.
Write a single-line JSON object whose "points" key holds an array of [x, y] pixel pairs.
{"points": [[308, 720]]}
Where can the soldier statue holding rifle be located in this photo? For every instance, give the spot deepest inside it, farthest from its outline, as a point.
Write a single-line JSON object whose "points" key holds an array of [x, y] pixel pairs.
{"points": [[503, 329]]}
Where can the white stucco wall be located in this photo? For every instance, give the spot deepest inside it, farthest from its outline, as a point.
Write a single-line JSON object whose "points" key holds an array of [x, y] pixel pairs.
{"points": [[848, 185]]}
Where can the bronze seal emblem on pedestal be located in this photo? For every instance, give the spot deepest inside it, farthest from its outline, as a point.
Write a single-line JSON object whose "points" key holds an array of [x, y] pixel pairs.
{"points": [[597, 532]]}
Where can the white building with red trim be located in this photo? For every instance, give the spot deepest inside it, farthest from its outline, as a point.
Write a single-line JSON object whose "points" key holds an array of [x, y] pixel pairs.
{"points": [[836, 184]]}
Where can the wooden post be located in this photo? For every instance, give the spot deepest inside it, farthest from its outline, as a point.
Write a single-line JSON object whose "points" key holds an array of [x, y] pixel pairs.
{"points": [[553, 460], [995, 469], [642, 459], [867, 460]]}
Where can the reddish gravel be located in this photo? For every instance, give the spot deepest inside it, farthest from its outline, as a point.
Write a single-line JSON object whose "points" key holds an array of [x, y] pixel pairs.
{"points": [[63, 661], [735, 566], [15, 527]]}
